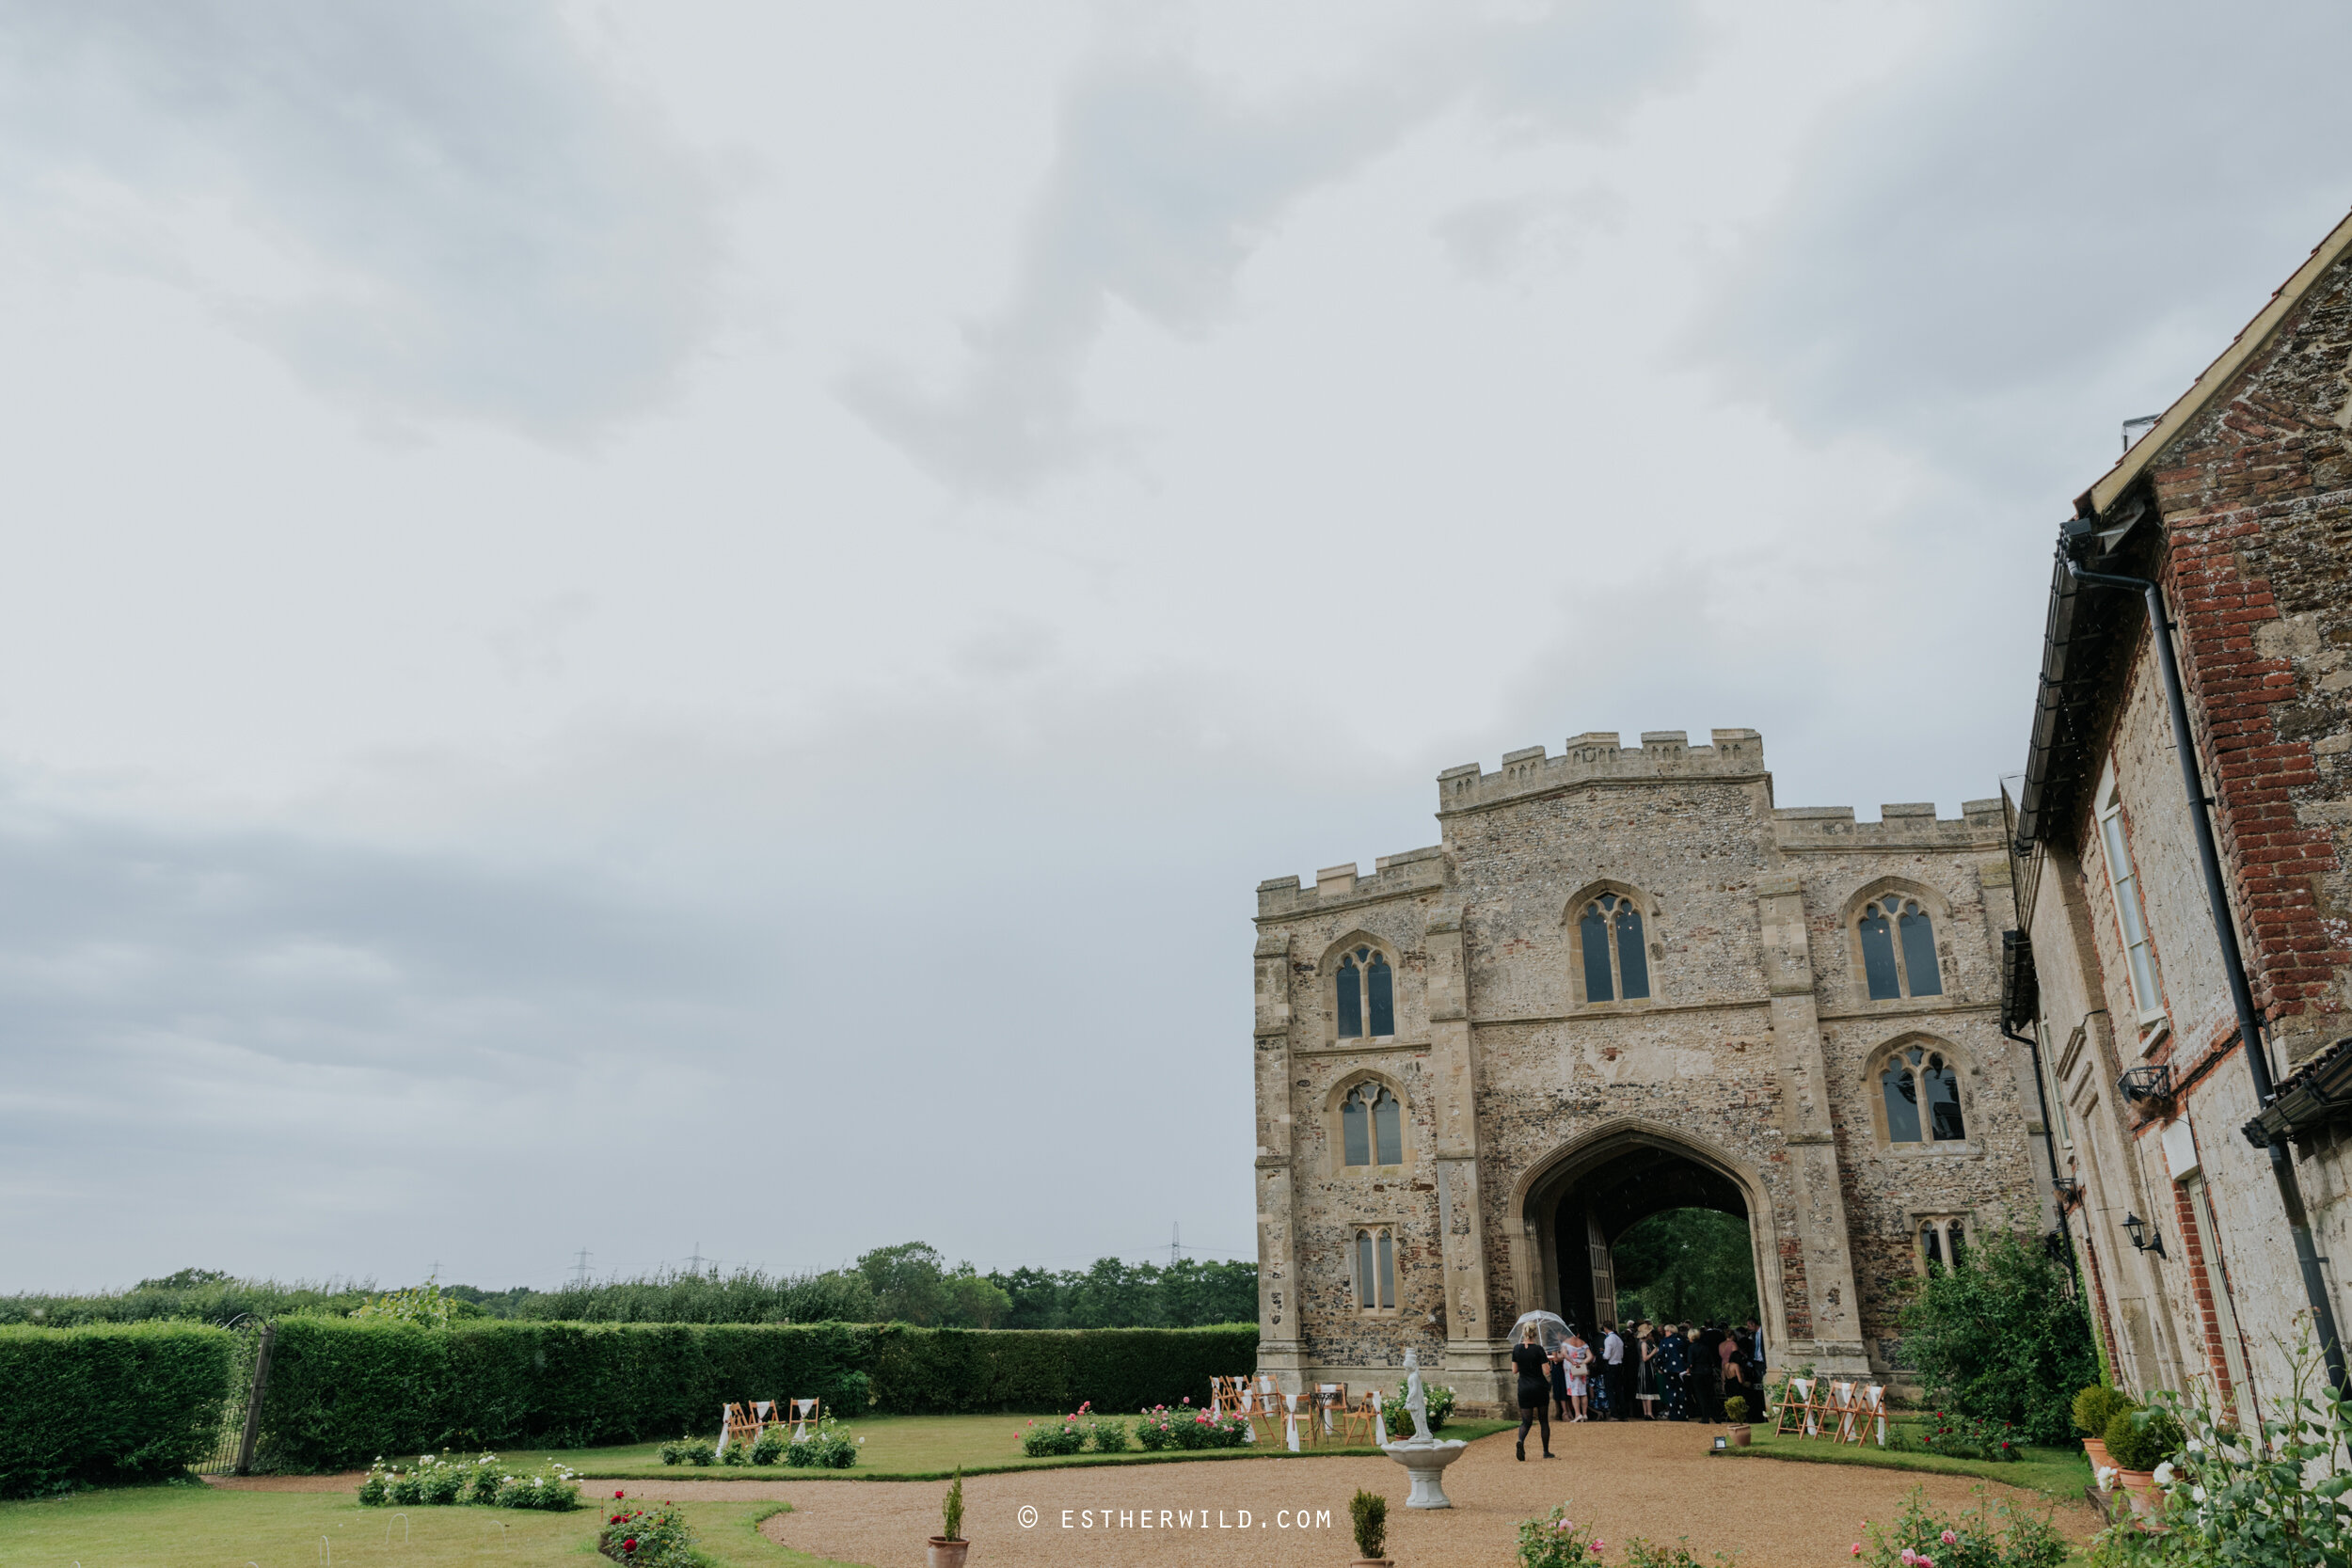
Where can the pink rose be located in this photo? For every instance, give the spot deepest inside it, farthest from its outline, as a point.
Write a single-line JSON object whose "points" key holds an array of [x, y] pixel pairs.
{"points": [[1950, 1540]]}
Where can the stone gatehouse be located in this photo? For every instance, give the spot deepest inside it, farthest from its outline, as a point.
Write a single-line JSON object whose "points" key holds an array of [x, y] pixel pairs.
{"points": [[1624, 982]]}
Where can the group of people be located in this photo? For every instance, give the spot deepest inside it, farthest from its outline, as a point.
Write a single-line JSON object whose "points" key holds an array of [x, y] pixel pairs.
{"points": [[1673, 1371]]}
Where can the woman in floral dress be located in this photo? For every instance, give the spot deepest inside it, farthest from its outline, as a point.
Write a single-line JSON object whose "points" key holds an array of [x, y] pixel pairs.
{"points": [[1579, 1356], [1674, 1363]]}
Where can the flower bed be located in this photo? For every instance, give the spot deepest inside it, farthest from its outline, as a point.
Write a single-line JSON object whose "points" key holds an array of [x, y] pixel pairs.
{"points": [[1073, 1433], [647, 1536], [1967, 1437], [1399, 1421], [827, 1447], [2001, 1537], [1184, 1426], [441, 1480]]}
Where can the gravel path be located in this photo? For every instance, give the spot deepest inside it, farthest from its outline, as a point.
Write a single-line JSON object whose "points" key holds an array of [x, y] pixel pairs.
{"points": [[1627, 1480]]}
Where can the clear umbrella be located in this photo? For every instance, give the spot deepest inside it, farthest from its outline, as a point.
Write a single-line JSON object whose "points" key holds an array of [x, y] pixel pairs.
{"points": [[1552, 1329]]}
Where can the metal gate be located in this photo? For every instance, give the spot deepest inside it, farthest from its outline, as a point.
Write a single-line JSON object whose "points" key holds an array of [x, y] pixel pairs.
{"points": [[240, 1400]]}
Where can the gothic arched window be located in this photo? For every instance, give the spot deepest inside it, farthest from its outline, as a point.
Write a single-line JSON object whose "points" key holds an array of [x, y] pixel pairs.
{"points": [[1898, 949], [1922, 1094], [1942, 1240], [1371, 1127], [1367, 985], [1374, 1268], [1616, 965]]}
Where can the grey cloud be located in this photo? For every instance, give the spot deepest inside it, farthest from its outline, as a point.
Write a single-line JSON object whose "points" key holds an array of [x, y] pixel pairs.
{"points": [[1166, 180], [484, 222], [2052, 203], [1493, 240], [935, 912]]}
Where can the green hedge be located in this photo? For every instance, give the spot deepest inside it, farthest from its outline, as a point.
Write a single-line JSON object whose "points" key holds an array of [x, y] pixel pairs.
{"points": [[342, 1392], [111, 1402]]}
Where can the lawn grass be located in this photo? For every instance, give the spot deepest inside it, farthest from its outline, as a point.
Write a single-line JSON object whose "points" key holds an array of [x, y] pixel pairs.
{"points": [[2053, 1472], [203, 1527], [926, 1448]]}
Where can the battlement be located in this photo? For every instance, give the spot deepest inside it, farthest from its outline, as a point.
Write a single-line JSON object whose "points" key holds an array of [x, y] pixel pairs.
{"points": [[1903, 825], [1599, 756], [1336, 885]]}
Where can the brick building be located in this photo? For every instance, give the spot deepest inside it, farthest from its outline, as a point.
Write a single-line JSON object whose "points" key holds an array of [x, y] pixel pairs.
{"points": [[2238, 505], [1625, 982]]}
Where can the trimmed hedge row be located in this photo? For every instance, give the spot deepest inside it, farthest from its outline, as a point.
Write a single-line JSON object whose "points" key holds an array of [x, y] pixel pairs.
{"points": [[344, 1391], [110, 1402]]}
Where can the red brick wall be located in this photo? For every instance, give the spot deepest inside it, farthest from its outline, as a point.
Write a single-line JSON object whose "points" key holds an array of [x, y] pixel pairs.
{"points": [[2201, 1284], [2257, 502]]}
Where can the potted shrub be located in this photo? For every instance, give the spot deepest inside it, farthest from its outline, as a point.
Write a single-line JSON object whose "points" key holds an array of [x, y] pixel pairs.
{"points": [[2138, 1441], [2094, 1407], [948, 1547], [1735, 1414], [1369, 1512]]}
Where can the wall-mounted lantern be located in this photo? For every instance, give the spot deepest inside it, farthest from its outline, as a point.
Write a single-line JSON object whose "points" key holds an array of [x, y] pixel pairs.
{"points": [[2144, 1238]]}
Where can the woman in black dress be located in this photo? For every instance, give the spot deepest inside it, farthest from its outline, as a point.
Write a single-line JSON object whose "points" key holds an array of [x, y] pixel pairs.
{"points": [[1534, 1390]]}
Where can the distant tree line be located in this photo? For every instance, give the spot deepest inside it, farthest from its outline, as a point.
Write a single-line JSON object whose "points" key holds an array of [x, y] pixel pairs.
{"points": [[907, 1283]]}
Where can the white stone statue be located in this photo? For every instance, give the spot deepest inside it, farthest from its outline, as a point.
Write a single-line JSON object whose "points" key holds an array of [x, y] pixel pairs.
{"points": [[1416, 1397], [1424, 1457]]}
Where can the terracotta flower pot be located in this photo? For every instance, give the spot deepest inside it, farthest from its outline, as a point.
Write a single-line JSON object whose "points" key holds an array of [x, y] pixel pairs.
{"points": [[2147, 1499], [946, 1553], [1739, 1436], [2095, 1450]]}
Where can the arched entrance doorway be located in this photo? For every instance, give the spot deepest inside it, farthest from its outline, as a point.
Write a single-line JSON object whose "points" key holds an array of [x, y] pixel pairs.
{"points": [[1582, 1202]]}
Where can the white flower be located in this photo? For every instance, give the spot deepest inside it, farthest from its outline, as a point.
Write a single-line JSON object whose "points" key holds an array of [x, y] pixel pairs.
{"points": [[2198, 1493], [2164, 1474], [2105, 1475], [2195, 1446]]}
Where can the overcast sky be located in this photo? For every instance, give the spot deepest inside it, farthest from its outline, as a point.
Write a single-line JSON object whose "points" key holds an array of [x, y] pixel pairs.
{"points": [[684, 626]]}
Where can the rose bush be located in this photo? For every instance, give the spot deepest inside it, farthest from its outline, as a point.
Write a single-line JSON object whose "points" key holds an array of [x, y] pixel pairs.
{"points": [[2002, 1537], [647, 1535], [1184, 1426]]}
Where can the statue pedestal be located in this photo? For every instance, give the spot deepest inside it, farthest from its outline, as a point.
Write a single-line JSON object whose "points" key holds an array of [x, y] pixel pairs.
{"points": [[1426, 1459]]}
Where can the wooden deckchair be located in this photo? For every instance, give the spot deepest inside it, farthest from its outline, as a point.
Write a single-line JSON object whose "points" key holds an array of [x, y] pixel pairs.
{"points": [[1362, 1423], [1330, 1404], [1795, 1411], [801, 1414], [1842, 1407], [741, 1425], [1870, 1414], [1265, 1403]]}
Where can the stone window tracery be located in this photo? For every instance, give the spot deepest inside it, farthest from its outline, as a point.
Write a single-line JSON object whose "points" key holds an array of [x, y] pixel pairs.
{"points": [[1371, 1127], [1366, 990], [1942, 1240], [1373, 1262], [1921, 1092], [1898, 949], [1617, 964]]}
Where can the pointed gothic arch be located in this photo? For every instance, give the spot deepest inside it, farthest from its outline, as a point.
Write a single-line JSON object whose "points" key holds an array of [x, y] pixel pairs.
{"points": [[1681, 1170]]}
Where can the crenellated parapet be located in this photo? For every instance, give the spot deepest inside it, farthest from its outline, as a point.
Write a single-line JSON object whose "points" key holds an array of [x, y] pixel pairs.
{"points": [[1598, 756], [1338, 886], [1904, 825]]}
